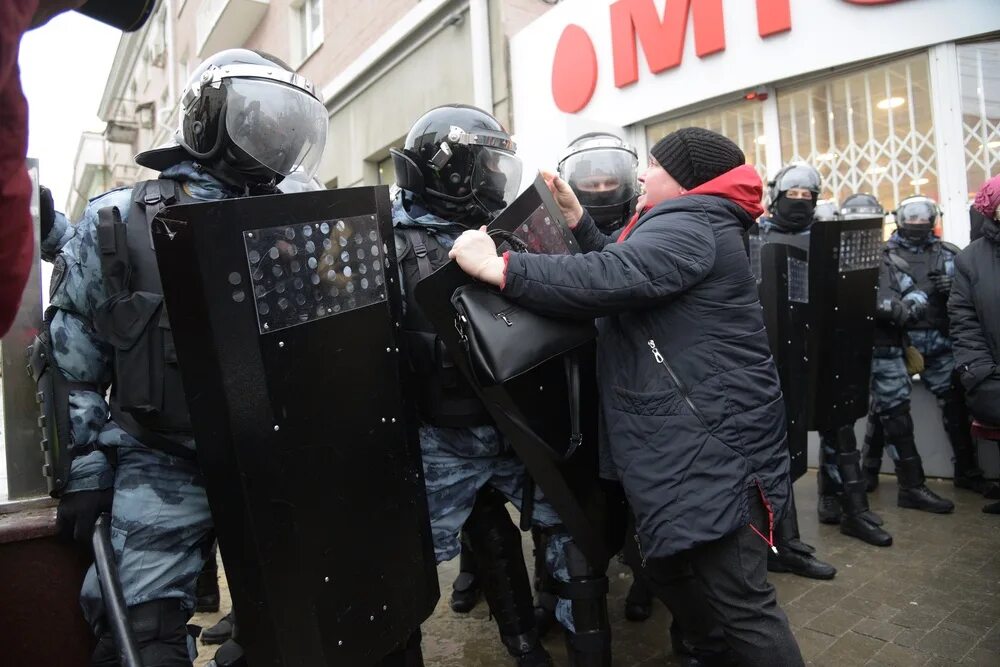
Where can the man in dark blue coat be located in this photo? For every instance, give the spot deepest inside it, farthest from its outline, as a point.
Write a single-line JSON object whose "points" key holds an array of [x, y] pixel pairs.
{"points": [[690, 395]]}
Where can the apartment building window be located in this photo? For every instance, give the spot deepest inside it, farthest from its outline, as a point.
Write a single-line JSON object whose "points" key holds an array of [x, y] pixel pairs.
{"points": [[308, 25]]}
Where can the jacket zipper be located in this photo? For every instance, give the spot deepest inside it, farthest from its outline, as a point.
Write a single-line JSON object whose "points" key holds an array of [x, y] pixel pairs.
{"points": [[681, 387], [638, 545]]}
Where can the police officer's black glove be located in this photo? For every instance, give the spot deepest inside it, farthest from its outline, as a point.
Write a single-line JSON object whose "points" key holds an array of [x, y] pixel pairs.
{"points": [[941, 282], [47, 208], [894, 311], [78, 512]]}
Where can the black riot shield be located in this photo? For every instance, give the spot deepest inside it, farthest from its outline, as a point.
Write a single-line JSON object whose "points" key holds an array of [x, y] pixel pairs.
{"points": [[284, 311], [782, 269], [844, 258], [534, 409]]}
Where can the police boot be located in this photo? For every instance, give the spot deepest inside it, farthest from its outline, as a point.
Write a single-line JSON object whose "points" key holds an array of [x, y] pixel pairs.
{"points": [[220, 632], [968, 474], [546, 587], [639, 601], [504, 578], [465, 589], [207, 586], [589, 645], [828, 485], [407, 655], [854, 520], [794, 555], [229, 654], [897, 425], [871, 462], [161, 635]]}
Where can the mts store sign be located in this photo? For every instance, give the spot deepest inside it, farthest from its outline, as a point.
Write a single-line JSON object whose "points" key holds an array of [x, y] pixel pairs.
{"points": [[637, 23]]}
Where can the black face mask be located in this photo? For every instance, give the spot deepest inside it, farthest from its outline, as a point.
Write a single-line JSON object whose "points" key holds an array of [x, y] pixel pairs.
{"points": [[794, 213], [916, 233]]}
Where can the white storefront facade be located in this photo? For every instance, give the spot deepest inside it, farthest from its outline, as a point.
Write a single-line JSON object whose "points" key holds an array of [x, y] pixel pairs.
{"points": [[892, 97]]}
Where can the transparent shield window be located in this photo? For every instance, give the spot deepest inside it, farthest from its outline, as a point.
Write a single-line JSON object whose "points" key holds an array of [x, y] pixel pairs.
{"points": [[741, 121], [979, 70], [868, 131], [602, 176], [496, 177]]}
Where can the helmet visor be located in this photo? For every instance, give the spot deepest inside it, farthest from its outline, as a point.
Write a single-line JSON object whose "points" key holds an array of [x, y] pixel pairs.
{"points": [[802, 177], [602, 176], [279, 126], [496, 178], [916, 215]]}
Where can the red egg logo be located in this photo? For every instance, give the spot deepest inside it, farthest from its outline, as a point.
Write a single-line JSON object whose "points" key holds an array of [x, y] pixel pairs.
{"points": [[574, 70]]}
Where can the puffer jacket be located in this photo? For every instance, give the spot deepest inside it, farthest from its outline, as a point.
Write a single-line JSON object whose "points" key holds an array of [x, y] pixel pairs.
{"points": [[689, 392], [974, 312]]}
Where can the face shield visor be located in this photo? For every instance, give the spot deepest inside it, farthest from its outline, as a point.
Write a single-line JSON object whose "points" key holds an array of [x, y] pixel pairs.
{"points": [[915, 220], [496, 178], [602, 176], [280, 126]]}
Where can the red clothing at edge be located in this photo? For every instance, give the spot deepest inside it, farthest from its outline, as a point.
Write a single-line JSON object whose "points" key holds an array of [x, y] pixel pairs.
{"points": [[17, 242]]}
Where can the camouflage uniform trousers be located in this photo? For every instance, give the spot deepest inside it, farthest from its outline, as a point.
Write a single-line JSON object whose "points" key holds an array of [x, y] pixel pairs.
{"points": [[160, 528], [457, 464]]}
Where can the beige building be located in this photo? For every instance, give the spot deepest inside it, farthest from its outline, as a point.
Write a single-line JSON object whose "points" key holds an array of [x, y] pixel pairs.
{"points": [[378, 63]]}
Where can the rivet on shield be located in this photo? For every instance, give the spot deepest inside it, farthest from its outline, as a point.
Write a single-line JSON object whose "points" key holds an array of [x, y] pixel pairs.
{"points": [[384, 607], [371, 618], [340, 642], [265, 326], [388, 349], [326, 580], [541, 388], [277, 428], [383, 420], [396, 349], [281, 343]]}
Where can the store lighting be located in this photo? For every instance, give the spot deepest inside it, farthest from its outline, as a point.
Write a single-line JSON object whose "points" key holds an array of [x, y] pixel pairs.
{"points": [[993, 144], [891, 103], [919, 181], [877, 169], [760, 140], [826, 157]]}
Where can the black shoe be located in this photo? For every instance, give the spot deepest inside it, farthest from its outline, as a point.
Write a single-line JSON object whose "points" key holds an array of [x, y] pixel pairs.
{"points": [[220, 632], [992, 508], [871, 479], [803, 565], [206, 588], [975, 481], [464, 593], [922, 498], [536, 657], [861, 527], [638, 602], [829, 510]]}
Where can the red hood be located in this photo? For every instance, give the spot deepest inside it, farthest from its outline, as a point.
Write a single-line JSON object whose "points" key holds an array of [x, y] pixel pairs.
{"points": [[741, 185]]}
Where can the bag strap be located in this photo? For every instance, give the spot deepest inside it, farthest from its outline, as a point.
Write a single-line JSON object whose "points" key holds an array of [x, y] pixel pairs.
{"points": [[419, 250], [515, 243]]}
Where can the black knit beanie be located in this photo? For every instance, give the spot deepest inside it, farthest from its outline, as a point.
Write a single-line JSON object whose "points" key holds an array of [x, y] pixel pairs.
{"points": [[693, 156]]}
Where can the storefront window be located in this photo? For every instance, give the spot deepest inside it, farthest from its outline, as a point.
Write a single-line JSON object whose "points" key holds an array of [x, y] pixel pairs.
{"points": [[979, 68], [743, 122], [869, 131]]}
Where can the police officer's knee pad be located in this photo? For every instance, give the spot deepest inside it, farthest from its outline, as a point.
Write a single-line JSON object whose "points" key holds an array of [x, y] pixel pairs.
{"points": [[489, 525], [897, 422]]}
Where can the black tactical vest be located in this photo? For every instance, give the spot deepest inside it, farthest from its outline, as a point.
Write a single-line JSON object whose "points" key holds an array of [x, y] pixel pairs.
{"points": [[444, 397], [888, 334], [147, 399], [921, 266]]}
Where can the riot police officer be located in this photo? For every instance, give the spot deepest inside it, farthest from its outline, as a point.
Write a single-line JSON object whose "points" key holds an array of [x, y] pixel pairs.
{"points": [[794, 194], [913, 297], [247, 120], [456, 170], [603, 172]]}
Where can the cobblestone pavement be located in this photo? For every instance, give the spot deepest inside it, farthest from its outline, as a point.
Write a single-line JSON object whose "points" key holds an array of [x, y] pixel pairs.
{"points": [[933, 598]]}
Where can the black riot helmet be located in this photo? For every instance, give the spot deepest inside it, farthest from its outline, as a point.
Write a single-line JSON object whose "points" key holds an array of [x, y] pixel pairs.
{"points": [[916, 216], [127, 15], [826, 209], [603, 172], [861, 205], [460, 162], [248, 119], [794, 214]]}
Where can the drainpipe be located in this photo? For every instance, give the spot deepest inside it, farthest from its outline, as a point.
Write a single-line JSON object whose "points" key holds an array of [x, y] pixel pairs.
{"points": [[482, 61]]}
